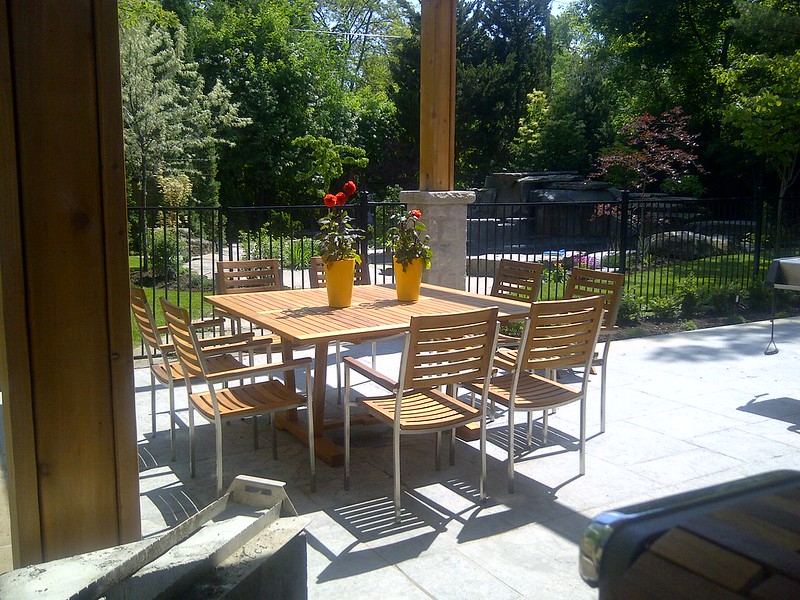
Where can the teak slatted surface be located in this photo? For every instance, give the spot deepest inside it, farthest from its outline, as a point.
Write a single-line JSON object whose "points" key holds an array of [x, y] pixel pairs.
{"points": [[747, 549], [302, 317]]}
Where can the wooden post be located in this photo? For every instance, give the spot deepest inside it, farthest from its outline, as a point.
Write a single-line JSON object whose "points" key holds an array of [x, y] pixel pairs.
{"points": [[66, 368], [437, 95]]}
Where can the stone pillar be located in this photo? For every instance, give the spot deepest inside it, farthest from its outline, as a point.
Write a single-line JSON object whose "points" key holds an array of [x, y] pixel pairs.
{"points": [[445, 216]]}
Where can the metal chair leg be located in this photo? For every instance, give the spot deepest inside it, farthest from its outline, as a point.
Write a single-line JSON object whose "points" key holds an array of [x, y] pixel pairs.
{"points": [[346, 428], [511, 448], [191, 440], [218, 444], [172, 420], [153, 404], [396, 452]]}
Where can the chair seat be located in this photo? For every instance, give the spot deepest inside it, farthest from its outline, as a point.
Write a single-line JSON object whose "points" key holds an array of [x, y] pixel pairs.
{"points": [[534, 392], [425, 411], [216, 364], [248, 399]]}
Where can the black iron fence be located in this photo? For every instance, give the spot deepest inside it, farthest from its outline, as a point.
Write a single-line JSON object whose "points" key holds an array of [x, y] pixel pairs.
{"points": [[660, 243]]}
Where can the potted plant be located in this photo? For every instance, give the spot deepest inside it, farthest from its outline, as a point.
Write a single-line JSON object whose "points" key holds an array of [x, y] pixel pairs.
{"points": [[412, 253], [338, 245]]}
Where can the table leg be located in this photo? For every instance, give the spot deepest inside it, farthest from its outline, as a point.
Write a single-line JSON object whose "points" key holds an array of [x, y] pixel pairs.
{"points": [[325, 448]]}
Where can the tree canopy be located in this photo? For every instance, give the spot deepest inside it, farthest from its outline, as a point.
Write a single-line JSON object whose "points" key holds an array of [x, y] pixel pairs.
{"points": [[275, 102]]}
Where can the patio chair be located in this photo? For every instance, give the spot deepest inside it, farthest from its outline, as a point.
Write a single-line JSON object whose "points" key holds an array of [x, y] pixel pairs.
{"points": [[557, 334], [219, 405], [585, 282], [316, 272], [439, 352], [516, 280], [163, 368], [243, 276]]}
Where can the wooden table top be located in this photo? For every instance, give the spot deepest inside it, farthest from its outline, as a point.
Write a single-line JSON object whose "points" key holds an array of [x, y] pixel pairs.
{"points": [[303, 316]]}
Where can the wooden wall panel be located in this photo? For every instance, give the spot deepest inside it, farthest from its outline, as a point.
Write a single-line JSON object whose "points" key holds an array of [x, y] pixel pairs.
{"points": [[71, 190], [23, 493]]}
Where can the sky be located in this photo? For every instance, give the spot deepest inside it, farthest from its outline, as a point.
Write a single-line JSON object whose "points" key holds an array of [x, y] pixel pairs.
{"points": [[558, 6]]}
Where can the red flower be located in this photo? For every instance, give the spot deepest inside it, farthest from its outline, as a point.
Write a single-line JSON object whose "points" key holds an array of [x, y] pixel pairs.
{"points": [[349, 188], [329, 200], [417, 214], [341, 198]]}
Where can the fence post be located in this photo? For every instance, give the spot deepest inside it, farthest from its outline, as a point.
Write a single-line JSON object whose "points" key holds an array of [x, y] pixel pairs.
{"points": [[758, 208], [221, 235], [623, 233], [362, 221]]}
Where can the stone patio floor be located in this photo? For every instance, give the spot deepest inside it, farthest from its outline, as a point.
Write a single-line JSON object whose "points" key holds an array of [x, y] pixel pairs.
{"points": [[685, 411]]}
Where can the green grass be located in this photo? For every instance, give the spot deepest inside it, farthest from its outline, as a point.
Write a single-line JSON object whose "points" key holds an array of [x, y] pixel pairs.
{"points": [[707, 272]]}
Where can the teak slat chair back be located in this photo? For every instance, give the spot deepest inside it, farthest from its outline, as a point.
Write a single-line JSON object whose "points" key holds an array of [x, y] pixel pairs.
{"points": [[447, 349], [218, 405], [517, 280], [589, 282], [316, 272], [586, 282], [561, 334], [241, 276]]}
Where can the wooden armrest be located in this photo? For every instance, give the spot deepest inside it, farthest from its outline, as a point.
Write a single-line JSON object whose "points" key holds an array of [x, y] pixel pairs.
{"points": [[475, 385], [505, 358], [608, 331], [370, 373], [206, 323], [257, 370], [222, 340], [243, 346]]}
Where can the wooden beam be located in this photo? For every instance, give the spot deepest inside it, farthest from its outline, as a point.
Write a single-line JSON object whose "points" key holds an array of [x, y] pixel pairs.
{"points": [[437, 95], [70, 281]]}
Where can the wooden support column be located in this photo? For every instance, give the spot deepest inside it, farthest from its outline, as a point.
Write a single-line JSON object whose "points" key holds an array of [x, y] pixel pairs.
{"points": [[437, 95], [66, 368], [444, 210]]}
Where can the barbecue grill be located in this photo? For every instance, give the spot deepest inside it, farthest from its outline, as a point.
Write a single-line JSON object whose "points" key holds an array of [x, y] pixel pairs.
{"points": [[725, 541], [783, 274]]}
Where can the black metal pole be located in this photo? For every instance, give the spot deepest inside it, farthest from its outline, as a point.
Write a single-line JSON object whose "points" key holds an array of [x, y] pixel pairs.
{"points": [[362, 221], [623, 232]]}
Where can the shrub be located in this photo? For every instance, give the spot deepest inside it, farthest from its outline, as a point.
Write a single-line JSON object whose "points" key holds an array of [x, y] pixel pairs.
{"points": [[689, 295], [293, 253], [724, 299], [664, 308], [167, 253], [628, 309], [759, 296]]}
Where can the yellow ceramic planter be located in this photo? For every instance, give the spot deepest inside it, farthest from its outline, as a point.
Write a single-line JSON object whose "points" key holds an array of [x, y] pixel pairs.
{"points": [[408, 281], [339, 276]]}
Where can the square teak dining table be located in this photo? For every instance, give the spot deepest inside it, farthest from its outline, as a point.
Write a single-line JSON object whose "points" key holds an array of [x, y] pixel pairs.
{"points": [[302, 317]]}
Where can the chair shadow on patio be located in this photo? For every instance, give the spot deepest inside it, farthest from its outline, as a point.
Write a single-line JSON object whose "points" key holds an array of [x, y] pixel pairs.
{"points": [[781, 409]]}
